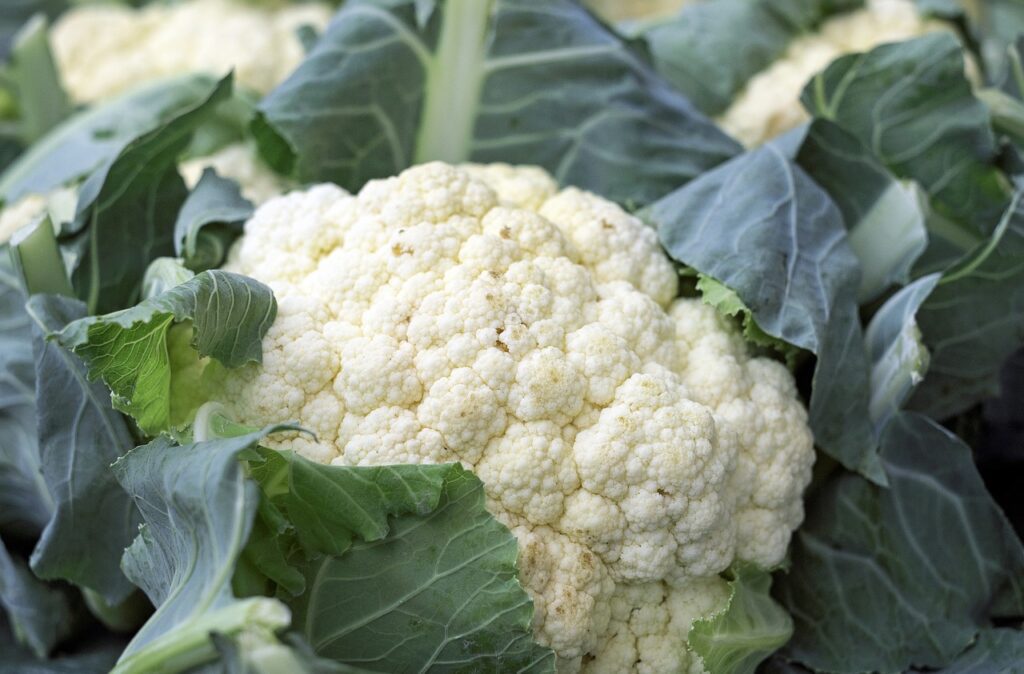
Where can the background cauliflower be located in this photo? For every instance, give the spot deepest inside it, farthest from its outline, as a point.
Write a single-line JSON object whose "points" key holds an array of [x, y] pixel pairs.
{"points": [[769, 104], [103, 50], [481, 315], [241, 163]]}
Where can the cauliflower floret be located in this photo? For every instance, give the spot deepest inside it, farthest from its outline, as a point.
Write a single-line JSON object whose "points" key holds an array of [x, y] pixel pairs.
{"points": [[769, 104], [104, 49], [627, 438], [526, 187], [288, 253], [614, 245], [650, 623]]}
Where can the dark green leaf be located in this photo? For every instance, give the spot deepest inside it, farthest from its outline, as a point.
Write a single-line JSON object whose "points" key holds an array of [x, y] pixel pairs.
{"points": [[761, 227], [210, 218], [25, 503], [393, 83], [198, 509], [974, 320], [444, 583], [80, 435], [229, 316], [331, 505], [883, 579], [14, 14], [130, 203], [912, 106], [40, 615], [265, 557], [95, 657], [997, 651], [993, 26], [96, 136], [752, 626]]}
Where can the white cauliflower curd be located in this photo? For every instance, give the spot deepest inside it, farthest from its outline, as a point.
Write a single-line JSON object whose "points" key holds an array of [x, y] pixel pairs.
{"points": [[769, 104], [481, 315], [103, 50]]}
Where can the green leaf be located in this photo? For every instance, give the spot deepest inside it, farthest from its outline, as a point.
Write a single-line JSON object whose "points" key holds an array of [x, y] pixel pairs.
{"points": [[25, 503], [885, 217], [993, 25], [80, 435], [14, 14], [996, 651], [442, 569], [42, 102], [95, 136], [95, 657], [974, 320], [128, 349], [710, 49], [130, 203], [265, 557], [198, 509], [748, 630], [883, 579], [393, 83], [899, 359], [40, 615], [331, 505], [211, 217], [912, 106], [762, 228]]}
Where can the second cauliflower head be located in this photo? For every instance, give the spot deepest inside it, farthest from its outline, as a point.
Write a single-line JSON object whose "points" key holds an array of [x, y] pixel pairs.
{"points": [[769, 104], [104, 49], [479, 314]]}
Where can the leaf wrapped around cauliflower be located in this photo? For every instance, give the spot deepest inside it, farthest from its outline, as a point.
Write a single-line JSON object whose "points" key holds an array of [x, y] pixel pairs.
{"points": [[480, 315]]}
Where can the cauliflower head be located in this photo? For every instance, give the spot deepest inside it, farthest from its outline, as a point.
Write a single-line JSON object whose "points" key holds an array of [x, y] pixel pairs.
{"points": [[104, 49], [769, 104], [479, 314]]}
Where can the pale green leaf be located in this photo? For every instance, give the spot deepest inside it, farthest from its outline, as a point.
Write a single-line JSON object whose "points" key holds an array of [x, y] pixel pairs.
{"points": [[229, 316]]}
